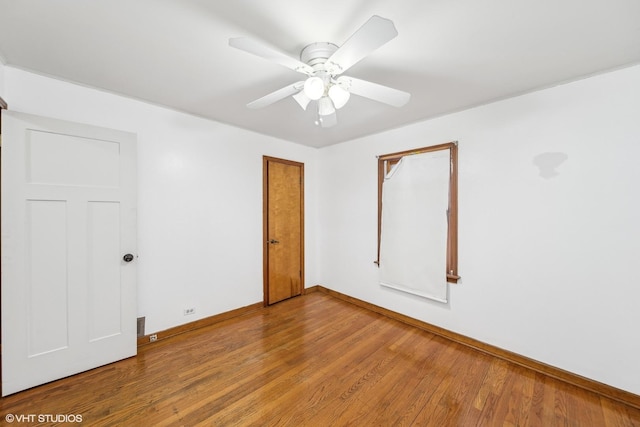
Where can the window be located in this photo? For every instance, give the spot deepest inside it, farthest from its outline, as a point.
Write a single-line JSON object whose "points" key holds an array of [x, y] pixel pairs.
{"points": [[386, 164]]}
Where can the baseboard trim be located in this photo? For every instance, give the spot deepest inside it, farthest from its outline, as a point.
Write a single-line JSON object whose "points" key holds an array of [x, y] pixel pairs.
{"points": [[551, 371], [201, 323], [311, 289], [208, 321]]}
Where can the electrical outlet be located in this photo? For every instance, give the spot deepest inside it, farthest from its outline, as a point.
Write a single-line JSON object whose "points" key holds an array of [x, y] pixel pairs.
{"points": [[189, 311], [153, 337]]}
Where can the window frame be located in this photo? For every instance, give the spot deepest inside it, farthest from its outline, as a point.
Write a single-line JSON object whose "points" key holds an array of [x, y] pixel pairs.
{"points": [[387, 161]]}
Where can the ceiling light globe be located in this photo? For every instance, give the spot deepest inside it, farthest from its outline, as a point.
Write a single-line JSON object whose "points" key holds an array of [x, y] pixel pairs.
{"points": [[325, 106], [314, 88], [339, 96]]}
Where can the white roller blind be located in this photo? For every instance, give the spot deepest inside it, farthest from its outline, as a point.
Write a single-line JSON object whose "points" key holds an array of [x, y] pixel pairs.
{"points": [[413, 243]]}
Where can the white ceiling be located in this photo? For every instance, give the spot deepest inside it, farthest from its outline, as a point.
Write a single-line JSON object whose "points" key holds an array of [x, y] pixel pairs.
{"points": [[449, 54]]}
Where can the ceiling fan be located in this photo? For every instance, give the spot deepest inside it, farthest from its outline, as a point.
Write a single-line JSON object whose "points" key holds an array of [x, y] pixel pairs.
{"points": [[323, 63]]}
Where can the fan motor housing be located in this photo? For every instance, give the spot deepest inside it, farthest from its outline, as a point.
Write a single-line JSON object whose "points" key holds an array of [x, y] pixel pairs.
{"points": [[317, 53]]}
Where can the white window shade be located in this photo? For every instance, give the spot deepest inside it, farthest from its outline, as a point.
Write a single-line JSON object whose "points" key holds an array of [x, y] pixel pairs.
{"points": [[413, 241]]}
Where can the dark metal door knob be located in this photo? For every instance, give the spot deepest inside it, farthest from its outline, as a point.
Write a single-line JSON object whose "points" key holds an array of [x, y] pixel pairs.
{"points": [[128, 258]]}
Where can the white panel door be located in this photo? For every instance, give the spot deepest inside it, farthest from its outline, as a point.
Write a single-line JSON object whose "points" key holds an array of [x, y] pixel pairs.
{"points": [[68, 219]]}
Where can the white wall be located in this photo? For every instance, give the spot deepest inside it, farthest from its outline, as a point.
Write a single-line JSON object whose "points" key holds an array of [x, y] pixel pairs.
{"points": [[1, 79], [200, 197], [549, 265]]}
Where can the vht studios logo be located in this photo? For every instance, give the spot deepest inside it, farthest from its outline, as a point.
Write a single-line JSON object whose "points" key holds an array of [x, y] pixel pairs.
{"points": [[43, 418]]}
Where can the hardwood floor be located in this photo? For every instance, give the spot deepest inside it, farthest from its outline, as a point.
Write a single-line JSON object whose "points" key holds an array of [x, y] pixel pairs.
{"points": [[318, 361]]}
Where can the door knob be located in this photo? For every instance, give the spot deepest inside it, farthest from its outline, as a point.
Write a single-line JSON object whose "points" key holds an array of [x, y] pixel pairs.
{"points": [[273, 241], [128, 258]]}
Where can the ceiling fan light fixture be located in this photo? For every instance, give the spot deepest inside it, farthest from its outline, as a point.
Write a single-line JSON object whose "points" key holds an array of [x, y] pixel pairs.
{"points": [[314, 88], [325, 106], [339, 96]]}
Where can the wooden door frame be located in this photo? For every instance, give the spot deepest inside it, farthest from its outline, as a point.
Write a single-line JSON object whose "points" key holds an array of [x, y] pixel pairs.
{"points": [[265, 223]]}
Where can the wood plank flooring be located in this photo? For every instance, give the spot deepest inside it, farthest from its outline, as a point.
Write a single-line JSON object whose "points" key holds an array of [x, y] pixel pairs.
{"points": [[315, 361]]}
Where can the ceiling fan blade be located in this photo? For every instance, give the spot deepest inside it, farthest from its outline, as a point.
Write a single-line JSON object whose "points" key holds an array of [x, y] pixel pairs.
{"points": [[276, 96], [375, 91], [267, 52], [373, 34], [302, 99]]}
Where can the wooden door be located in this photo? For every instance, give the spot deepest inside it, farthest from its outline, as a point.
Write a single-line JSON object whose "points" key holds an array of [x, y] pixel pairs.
{"points": [[283, 200], [68, 219]]}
